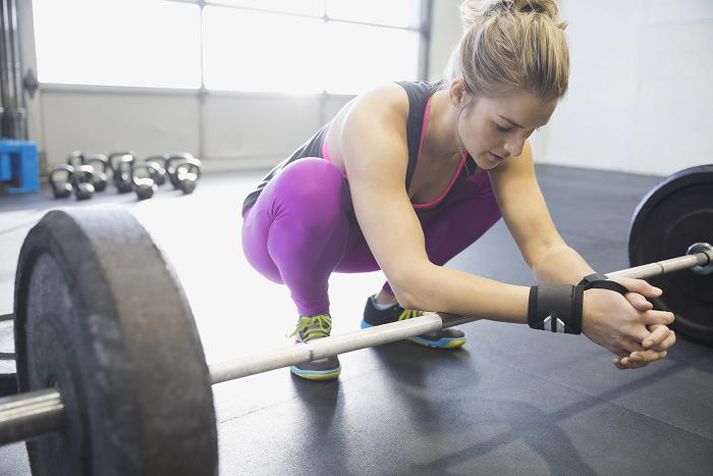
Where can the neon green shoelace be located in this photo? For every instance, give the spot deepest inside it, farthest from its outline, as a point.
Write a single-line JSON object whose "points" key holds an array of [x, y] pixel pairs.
{"points": [[409, 313], [314, 327]]}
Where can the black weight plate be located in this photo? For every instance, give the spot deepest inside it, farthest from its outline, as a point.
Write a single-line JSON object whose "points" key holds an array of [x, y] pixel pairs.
{"points": [[675, 214], [8, 384], [100, 315]]}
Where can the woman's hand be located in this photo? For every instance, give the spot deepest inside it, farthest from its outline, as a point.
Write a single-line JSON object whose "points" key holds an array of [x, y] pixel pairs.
{"points": [[627, 325], [656, 347]]}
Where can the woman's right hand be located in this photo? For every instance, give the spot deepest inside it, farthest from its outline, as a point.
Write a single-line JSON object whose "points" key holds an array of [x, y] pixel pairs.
{"points": [[611, 320]]}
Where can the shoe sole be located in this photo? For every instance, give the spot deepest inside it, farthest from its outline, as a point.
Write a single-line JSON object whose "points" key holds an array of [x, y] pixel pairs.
{"points": [[442, 343], [316, 374]]}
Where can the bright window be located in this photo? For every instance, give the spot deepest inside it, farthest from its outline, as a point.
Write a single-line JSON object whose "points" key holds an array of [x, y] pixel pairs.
{"points": [[359, 57], [304, 7], [288, 46], [150, 43], [403, 13], [255, 51]]}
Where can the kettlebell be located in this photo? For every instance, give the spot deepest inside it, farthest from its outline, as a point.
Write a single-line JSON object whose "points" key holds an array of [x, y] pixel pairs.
{"points": [[122, 173], [75, 158], [100, 177], [82, 180], [144, 186], [61, 188], [172, 163], [114, 157], [158, 174], [187, 175]]}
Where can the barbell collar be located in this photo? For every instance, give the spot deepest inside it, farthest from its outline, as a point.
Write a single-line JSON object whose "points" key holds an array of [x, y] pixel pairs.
{"points": [[704, 248]]}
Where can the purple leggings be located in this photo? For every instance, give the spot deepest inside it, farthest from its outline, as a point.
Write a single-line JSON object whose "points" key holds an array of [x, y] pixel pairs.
{"points": [[299, 231]]}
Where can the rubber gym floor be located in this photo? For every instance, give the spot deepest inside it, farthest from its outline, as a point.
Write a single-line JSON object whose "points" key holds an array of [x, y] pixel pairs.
{"points": [[513, 401]]}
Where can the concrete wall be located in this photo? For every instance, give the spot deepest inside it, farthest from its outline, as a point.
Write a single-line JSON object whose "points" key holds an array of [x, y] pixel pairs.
{"points": [[226, 130], [640, 98]]}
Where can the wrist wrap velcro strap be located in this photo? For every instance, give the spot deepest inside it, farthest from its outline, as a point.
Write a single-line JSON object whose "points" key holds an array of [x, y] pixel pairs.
{"points": [[601, 281], [590, 278], [556, 308]]}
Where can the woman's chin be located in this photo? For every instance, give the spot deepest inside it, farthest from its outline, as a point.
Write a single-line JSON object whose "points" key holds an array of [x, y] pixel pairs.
{"points": [[485, 162]]}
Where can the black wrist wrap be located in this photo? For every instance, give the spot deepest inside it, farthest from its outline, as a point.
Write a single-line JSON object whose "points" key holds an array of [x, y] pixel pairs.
{"points": [[601, 281], [556, 308]]}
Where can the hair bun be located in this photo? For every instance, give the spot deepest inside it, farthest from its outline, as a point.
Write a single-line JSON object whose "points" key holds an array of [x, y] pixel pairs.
{"points": [[474, 12]]}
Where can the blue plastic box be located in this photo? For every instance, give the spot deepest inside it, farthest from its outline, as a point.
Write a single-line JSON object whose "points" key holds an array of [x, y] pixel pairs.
{"points": [[19, 166]]}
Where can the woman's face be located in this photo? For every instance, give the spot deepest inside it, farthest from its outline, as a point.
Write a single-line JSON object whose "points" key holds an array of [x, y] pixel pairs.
{"points": [[493, 129]]}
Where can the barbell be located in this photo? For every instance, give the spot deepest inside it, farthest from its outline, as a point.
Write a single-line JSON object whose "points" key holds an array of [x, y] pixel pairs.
{"points": [[115, 381], [677, 213]]}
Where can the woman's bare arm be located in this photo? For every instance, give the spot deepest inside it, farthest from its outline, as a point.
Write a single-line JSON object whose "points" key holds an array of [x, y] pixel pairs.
{"points": [[373, 146]]}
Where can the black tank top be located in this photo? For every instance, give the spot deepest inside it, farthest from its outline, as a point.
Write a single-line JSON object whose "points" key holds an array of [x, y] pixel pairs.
{"points": [[418, 92]]}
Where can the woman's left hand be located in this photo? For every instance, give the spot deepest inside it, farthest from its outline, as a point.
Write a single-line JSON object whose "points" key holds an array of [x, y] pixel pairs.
{"points": [[656, 347]]}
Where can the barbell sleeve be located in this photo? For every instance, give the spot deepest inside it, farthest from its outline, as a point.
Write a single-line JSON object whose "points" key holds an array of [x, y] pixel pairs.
{"points": [[29, 415]]}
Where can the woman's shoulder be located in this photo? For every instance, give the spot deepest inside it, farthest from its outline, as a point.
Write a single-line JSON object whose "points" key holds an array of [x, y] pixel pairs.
{"points": [[378, 112], [388, 98], [396, 98], [386, 104]]}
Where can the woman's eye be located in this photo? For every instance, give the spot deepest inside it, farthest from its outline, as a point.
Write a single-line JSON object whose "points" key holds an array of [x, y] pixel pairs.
{"points": [[502, 128]]}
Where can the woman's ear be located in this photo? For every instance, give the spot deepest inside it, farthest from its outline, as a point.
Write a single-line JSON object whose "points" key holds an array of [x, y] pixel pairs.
{"points": [[458, 94]]}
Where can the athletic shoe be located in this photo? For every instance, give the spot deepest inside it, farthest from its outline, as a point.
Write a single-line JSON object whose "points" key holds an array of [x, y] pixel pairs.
{"points": [[441, 339], [309, 328]]}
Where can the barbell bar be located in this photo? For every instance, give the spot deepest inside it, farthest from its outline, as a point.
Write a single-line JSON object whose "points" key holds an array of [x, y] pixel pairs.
{"points": [[395, 331], [36, 413]]}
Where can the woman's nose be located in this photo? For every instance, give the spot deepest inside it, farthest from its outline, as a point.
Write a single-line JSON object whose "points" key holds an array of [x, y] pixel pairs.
{"points": [[514, 146]]}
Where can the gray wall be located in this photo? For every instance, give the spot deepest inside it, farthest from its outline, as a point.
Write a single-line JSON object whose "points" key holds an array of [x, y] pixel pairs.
{"points": [[641, 86], [445, 33], [640, 98]]}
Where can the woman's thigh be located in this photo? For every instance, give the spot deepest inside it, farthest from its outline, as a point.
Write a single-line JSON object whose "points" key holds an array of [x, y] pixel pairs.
{"points": [[305, 205]]}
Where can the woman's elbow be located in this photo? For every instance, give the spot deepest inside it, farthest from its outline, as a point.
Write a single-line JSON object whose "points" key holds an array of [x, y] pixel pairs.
{"points": [[411, 290]]}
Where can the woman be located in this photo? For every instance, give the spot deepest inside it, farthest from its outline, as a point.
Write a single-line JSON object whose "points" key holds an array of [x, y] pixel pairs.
{"points": [[408, 175]]}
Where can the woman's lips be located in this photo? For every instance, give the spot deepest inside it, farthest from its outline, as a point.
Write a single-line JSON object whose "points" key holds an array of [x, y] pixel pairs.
{"points": [[495, 157]]}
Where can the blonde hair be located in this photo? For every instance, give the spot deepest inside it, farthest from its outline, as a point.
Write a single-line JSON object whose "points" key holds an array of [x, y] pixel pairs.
{"points": [[511, 44]]}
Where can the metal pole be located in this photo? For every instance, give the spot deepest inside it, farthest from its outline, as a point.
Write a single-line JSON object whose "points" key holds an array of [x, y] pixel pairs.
{"points": [[32, 414], [29, 415], [662, 267], [20, 119], [326, 347]]}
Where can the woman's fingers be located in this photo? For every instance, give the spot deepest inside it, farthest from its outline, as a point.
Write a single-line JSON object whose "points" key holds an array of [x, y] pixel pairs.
{"points": [[647, 356], [661, 338], [627, 363], [653, 317], [639, 286], [639, 302]]}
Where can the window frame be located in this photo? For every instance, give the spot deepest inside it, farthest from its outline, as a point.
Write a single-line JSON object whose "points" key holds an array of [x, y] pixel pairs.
{"points": [[423, 29]]}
